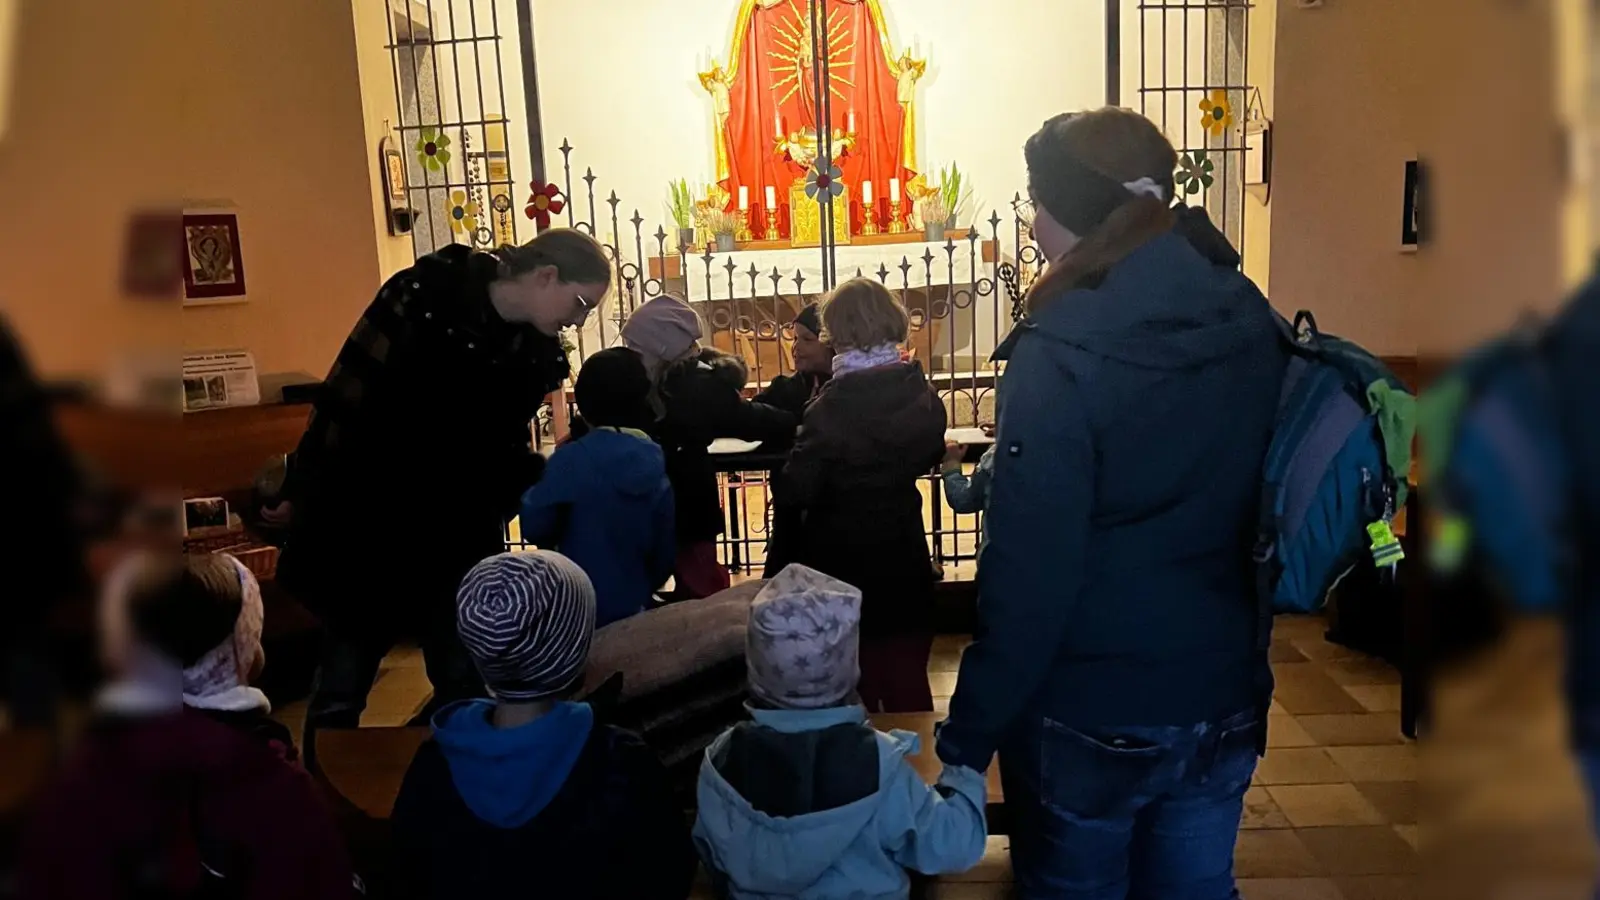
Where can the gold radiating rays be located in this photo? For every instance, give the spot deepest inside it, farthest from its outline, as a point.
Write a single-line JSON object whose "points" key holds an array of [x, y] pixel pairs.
{"points": [[794, 54]]}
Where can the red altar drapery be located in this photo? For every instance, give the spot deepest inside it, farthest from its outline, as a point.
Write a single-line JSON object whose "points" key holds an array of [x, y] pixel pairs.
{"points": [[774, 90]]}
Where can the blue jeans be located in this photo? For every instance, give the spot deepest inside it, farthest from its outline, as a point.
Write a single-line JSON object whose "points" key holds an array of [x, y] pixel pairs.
{"points": [[1134, 812]]}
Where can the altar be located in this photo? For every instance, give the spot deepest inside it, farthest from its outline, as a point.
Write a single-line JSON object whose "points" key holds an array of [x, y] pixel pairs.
{"points": [[799, 269]]}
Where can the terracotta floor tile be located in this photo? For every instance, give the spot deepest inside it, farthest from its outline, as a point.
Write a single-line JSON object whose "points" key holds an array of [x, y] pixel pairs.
{"points": [[1352, 729], [1396, 801], [1395, 762], [1315, 805], [1361, 670], [1261, 812], [1369, 850], [1284, 652], [1275, 853], [1290, 627], [1411, 834], [1378, 698], [1304, 688], [1289, 889], [1380, 887], [1285, 731], [1318, 648], [1303, 765]]}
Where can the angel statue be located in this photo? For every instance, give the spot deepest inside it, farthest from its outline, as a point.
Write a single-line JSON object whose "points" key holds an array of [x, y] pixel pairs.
{"points": [[907, 71], [717, 83]]}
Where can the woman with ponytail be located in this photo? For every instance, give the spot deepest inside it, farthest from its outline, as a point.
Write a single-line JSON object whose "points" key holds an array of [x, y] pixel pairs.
{"points": [[1117, 669]]}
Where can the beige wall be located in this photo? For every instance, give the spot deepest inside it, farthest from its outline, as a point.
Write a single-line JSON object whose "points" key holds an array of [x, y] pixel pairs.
{"points": [[374, 62], [255, 105], [1262, 72], [1467, 85]]}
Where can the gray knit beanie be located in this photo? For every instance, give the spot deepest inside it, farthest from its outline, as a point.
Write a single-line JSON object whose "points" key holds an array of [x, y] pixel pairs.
{"points": [[802, 645], [527, 620], [662, 330]]}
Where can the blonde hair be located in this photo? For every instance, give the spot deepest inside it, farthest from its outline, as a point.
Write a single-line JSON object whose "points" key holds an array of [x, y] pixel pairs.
{"points": [[1124, 146], [861, 313]]}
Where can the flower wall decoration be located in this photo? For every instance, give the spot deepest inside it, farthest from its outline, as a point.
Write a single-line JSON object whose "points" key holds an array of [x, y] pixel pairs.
{"points": [[545, 201], [1195, 172], [1216, 113], [433, 148], [463, 213], [822, 181]]}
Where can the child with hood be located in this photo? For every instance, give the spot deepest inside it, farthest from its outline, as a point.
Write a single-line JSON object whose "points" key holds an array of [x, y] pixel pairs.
{"points": [[698, 397], [525, 794], [604, 501], [181, 783], [808, 800]]}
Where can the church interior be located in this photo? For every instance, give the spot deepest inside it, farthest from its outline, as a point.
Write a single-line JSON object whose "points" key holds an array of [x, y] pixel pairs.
{"points": [[717, 155]]}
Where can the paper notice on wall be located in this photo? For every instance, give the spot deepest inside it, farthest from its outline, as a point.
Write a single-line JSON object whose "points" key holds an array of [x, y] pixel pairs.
{"points": [[219, 379]]}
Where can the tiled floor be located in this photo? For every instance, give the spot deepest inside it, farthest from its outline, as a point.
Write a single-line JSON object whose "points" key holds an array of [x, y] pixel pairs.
{"points": [[1334, 811]]}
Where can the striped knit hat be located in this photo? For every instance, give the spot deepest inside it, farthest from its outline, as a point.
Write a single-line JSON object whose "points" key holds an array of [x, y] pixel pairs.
{"points": [[527, 620]]}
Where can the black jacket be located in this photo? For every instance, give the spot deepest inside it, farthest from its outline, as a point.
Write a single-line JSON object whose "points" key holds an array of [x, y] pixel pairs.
{"points": [[703, 399], [850, 492], [418, 447], [611, 832]]}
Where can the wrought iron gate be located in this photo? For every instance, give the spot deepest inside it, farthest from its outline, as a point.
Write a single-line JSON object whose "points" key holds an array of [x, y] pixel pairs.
{"points": [[452, 63]]}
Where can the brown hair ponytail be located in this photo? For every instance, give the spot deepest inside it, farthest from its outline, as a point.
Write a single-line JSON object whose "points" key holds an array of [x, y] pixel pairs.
{"points": [[1116, 145], [577, 257]]}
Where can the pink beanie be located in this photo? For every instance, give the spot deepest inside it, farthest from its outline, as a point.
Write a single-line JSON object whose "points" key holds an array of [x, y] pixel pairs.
{"points": [[664, 329]]}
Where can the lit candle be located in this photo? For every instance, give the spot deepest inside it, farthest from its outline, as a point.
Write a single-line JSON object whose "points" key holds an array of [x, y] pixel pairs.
{"points": [[866, 193], [777, 124], [772, 198], [852, 118], [894, 190], [744, 198]]}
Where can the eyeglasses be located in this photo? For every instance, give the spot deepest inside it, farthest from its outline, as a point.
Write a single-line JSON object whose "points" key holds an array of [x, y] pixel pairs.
{"points": [[584, 304]]}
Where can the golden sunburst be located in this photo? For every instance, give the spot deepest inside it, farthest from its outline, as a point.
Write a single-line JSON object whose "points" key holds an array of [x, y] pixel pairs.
{"points": [[793, 39]]}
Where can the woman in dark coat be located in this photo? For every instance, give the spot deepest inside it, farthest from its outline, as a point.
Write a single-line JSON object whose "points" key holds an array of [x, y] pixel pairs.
{"points": [[850, 484], [1117, 666], [418, 449], [813, 367], [699, 397]]}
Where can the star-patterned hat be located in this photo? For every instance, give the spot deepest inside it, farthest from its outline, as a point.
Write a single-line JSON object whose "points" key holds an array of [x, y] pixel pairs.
{"points": [[802, 645]]}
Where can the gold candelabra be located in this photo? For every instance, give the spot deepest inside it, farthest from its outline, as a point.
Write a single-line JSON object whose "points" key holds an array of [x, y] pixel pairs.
{"points": [[743, 233], [772, 224], [869, 218], [896, 226]]}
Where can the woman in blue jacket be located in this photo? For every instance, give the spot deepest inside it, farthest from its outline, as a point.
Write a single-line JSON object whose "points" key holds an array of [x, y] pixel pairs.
{"points": [[1116, 669]]}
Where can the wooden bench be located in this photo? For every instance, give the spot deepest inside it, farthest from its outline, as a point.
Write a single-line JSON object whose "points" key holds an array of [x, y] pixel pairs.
{"points": [[366, 765]]}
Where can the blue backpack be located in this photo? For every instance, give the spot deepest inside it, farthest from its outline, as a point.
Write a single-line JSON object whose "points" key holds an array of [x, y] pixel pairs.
{"points": [[1493, 449], [1335, 472]]}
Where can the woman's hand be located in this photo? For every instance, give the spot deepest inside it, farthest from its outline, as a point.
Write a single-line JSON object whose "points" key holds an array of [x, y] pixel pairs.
{"points": [[278, 516]]}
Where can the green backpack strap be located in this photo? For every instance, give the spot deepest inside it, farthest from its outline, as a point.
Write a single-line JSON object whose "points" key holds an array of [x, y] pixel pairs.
{"points": [[1396, 412]]}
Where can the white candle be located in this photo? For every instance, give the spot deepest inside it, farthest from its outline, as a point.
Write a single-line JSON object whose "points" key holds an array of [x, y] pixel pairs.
{"points": [[852, 126], [894, 190], [777, 124], [866, 193], [772, 198], [744, 198]]}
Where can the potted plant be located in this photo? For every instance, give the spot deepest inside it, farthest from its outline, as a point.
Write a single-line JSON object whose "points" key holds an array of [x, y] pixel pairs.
{"points": [[954, 192], [724, 225], [935, 215], [680, 204]]}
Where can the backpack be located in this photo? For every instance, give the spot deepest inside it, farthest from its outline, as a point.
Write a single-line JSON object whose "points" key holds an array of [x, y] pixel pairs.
{"points": [[1335, 470], [1494, 454]]}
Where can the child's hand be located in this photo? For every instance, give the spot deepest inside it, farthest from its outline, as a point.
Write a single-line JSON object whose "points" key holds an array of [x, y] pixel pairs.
{"points": [[954, 453]]}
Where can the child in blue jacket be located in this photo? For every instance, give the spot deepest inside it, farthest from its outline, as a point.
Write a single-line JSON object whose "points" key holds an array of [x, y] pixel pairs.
{"points": [[604, 501], [809, 801], [966, 494]]}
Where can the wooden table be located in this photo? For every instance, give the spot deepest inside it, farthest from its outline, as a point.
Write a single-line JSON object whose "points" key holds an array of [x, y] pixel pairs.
{"points": [[367, 765]]}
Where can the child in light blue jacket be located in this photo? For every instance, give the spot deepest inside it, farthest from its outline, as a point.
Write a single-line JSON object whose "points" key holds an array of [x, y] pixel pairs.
{"points": [[809, 801], [966, 494]]}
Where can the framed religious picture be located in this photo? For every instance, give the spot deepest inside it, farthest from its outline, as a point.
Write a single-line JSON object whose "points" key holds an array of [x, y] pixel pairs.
{"points": [[213, 269], [395, 189], [1414, 212]]}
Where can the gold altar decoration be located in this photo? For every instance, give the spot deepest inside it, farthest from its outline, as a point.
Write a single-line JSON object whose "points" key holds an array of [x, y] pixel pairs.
{"points": [[805, 217], [905, 69]]}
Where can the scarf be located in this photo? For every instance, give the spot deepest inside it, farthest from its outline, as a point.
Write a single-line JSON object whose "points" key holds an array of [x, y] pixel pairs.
{"points": [[847, 361], [219, 680]]}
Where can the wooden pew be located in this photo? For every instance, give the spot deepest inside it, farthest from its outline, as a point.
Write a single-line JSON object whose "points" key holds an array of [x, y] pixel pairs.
{"points": [[366, 765]]}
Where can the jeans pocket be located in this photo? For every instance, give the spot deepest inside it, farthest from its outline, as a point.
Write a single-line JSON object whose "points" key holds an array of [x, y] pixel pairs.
{"points": [[1098, 774], [1238, 743]]}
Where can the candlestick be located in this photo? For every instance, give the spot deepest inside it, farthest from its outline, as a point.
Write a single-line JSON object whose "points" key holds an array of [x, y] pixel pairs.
{"points": [[772, 198], [894, 190], [772, 219], [851, 119], [777, 125], [744, 198], [895, 225], [869, 217]]}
